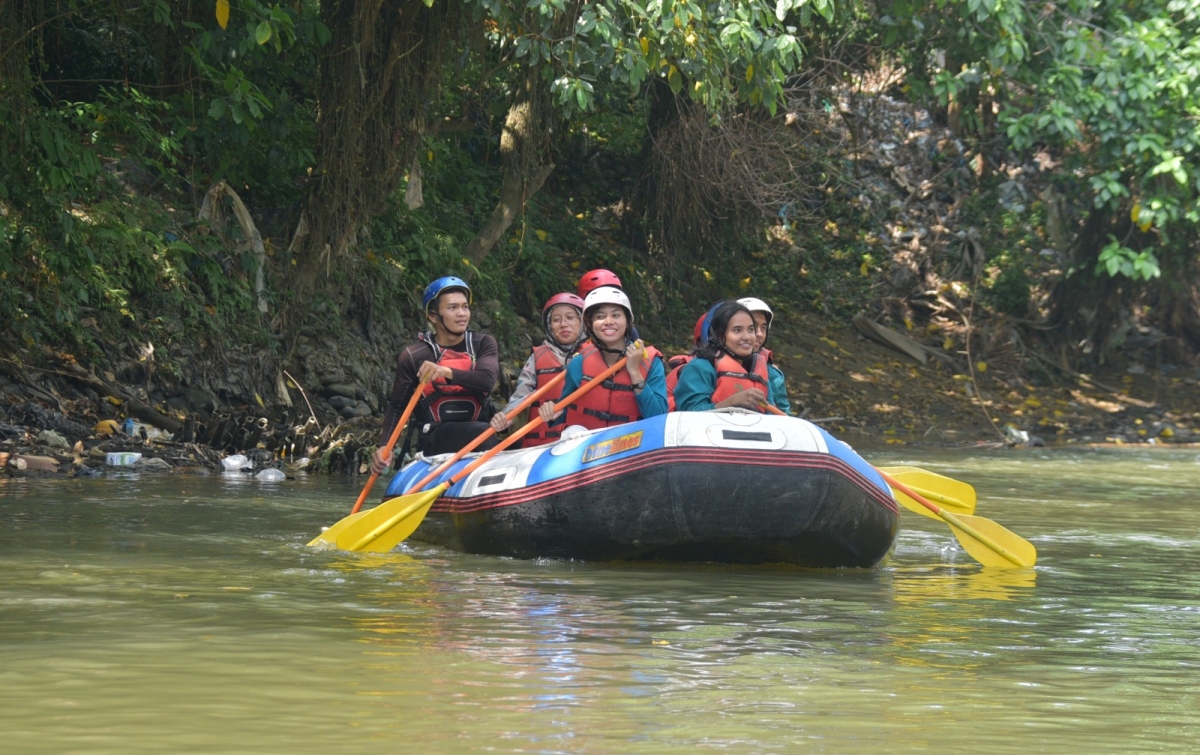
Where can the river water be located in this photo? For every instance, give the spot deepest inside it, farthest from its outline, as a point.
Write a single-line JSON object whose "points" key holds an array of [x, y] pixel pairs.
{"points": [[184, 614]]}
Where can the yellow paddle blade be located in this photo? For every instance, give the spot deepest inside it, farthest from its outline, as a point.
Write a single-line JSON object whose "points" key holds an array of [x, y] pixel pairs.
{"points": [[951, 505], [955, 496], [383, 527], [991, 544], [328, 538]]}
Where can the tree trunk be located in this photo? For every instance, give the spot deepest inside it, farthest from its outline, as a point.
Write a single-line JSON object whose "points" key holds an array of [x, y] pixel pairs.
{"points": [[525, 161], [1085, 306], [1176, 304], [382, 65]]}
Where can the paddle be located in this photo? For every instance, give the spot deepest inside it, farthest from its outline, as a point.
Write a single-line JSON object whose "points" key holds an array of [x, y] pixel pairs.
{"points": [[987, 542], [955, 496], [408, 410], [330, 535], [385, 526], [554, 382]]}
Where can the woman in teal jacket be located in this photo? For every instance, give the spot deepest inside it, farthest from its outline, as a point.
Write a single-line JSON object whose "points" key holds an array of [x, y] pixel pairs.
{"points": [[762, 318]]}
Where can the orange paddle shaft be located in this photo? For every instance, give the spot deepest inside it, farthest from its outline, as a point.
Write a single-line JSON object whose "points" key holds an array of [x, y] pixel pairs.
{"points": [[408, 410], [530, 426], [554, 382]]}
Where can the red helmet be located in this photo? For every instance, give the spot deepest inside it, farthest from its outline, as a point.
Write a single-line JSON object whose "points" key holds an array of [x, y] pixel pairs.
{"points": [[697, 332], [594, 279], [564, 298]]}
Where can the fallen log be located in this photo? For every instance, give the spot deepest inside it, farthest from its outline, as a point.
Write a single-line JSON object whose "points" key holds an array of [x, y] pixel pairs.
{"points": [[136, 408], [890, 338]]}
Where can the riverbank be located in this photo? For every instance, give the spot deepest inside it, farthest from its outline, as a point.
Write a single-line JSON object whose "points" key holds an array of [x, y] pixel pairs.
{"points": [[319, 410]]}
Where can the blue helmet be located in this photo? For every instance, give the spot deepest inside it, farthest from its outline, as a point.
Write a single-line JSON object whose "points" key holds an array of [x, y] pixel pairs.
{"points": [[706, 323], [442, 285]]}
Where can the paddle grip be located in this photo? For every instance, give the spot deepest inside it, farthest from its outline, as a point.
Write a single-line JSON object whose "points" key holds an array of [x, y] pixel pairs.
{"points": [[554, 382]]}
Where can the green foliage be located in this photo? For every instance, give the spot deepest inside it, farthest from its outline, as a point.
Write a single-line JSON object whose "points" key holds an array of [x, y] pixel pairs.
{"points": [[1118, 259], [84, 261], [719, 52], [251, 120], [1010, 291], [1108, 85]]}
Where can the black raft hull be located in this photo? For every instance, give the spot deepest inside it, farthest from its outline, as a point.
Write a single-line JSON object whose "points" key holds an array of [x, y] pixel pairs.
{"points": [[683, 504]]}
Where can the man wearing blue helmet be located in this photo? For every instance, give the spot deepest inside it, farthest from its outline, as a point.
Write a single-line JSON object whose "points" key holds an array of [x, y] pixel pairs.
{"points": [[459, 369]]}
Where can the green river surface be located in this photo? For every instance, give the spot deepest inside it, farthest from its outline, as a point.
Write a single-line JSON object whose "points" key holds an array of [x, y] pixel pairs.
{"points": [[185, 614]]}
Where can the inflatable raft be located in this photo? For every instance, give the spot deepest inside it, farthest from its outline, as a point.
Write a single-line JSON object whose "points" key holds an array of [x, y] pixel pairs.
{"points": [[726, 486]]}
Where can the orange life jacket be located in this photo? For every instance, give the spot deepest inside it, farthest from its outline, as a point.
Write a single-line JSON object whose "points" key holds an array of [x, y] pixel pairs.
{"points": [[613, 401], [733, 378], [766, 355], [446, 401], [676, 365], [546, 365]]}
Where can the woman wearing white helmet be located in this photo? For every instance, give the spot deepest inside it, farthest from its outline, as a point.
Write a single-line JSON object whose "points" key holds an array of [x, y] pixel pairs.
{"points": [[763, 316], [636, 392]]}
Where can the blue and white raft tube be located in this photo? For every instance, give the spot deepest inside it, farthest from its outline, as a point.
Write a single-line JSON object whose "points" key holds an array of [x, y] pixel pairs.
{"points": [[727, 486]]}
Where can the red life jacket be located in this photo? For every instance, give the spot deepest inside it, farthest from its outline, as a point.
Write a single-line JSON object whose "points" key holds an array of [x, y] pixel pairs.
{"points": [[546, 365], [733, 378], [446, 401], [676, 365], [613, 401], [766, 355]]}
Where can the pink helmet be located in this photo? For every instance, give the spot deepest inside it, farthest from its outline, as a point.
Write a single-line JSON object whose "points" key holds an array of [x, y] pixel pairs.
{"points": [[564, 298], [594, 279]]}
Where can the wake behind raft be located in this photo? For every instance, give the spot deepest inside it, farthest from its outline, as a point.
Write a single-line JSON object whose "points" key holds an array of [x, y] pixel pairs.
{"points": [[725, 486]]}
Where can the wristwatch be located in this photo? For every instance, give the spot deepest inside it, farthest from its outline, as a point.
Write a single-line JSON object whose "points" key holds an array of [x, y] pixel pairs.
{"points": [[639, 385]]}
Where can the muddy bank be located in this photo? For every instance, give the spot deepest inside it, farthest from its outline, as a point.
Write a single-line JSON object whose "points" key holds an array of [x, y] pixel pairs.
{"points": [[318, 410]]}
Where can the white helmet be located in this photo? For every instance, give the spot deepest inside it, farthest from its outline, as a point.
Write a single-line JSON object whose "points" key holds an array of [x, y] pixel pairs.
{"points": [[607, 295], [758, 305]]}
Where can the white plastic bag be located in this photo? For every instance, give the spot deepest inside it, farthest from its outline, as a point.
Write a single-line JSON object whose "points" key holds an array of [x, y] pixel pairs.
{"points": [[236, 463]]}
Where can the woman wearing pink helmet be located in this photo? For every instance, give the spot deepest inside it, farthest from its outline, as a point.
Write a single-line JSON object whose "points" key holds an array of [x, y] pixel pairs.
{"points": [[562, 318]]}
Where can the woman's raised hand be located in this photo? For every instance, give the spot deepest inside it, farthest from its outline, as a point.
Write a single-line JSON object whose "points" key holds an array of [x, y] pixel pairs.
{"points": [[635, 355]]}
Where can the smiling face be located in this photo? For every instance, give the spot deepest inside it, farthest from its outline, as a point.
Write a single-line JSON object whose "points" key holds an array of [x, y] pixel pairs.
{"points": [[760, 329], [740, 336], [454, 313], [609, 325], [565, 324]]}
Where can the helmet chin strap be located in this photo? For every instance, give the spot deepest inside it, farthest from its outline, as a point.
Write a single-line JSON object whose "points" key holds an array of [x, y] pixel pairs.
{"points": [[605, 349], [727, 350], [567, 347]]}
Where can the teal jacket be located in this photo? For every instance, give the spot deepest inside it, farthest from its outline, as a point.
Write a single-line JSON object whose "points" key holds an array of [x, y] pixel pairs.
{"points": [[697, 381], [779, 389], [652, 401]]}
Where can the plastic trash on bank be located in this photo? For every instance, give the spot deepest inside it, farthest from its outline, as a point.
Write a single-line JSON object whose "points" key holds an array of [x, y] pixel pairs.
{"points": [[140, 429], [270, 475], [236, 463], [121, 458]]}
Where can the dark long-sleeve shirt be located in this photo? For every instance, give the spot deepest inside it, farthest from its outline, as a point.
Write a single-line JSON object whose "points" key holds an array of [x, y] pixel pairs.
{"points": [[482, 379]]}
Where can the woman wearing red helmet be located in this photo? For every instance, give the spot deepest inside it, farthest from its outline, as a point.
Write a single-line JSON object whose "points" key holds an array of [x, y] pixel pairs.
{"points": [[727, 372], [562, 317]]}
